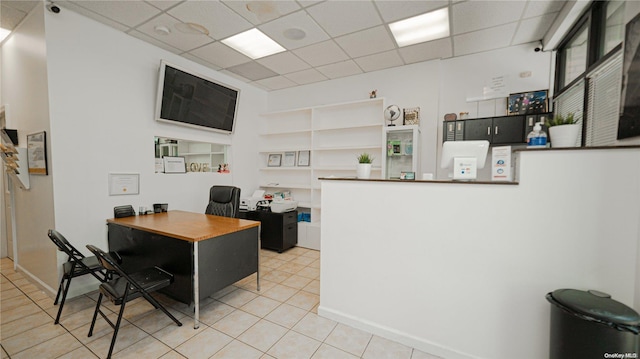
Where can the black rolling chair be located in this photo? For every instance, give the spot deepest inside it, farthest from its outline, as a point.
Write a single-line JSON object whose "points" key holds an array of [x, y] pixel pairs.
{"points": [[224, 201], [77, 265], [126, 287], [123, 211]]}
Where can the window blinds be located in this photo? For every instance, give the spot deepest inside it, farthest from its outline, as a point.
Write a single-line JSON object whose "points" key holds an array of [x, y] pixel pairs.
{"points": [[604, 102]]}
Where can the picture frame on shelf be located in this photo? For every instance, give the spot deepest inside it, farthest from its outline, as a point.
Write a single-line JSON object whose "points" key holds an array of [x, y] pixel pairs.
{"points": [[174, 164], [37, 153], [527, 103], [410, 176], [275, 159], [411, 116], [289, 159], [304, 158]]}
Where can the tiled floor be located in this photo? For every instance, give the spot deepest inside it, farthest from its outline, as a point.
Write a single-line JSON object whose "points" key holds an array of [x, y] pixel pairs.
{"points": [[280, 321]]}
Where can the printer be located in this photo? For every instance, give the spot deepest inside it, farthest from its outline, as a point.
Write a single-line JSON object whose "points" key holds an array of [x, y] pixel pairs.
{"points": [[251, 203]]}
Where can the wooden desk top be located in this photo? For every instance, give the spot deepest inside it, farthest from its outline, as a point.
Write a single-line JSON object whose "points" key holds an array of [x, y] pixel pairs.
{"points": [[188, 226]]}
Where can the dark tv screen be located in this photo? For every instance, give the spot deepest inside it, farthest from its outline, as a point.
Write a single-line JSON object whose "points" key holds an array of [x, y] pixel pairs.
{"points": [[189, 99]]}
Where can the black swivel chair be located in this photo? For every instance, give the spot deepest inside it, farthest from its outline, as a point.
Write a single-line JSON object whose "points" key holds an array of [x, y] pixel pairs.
{"points": [[123, 211], [77, 265], [224, 201], [126, 287]]}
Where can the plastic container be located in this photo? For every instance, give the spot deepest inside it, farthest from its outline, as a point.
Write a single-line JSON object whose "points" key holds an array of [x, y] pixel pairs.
{"points": [[537, 138], [589, 324]]}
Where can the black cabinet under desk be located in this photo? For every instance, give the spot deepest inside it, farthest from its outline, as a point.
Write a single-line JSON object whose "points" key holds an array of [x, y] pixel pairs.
{"points": [[278, 231]]}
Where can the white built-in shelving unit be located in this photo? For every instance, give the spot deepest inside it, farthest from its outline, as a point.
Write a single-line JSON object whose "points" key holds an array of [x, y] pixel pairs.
{"points": [[335, 135]]}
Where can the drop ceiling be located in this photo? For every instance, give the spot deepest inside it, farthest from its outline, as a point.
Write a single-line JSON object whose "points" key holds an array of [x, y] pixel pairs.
{"points": [[341, 38]]}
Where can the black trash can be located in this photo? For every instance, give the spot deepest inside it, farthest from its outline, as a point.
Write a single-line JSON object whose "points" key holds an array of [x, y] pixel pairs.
{"points": [[589, 324]]}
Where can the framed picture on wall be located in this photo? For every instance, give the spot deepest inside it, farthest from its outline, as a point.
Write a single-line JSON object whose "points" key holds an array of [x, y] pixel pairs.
{"points": [[526, 103], [274, 160], [37, 153], [289, 159], [304, 158]]}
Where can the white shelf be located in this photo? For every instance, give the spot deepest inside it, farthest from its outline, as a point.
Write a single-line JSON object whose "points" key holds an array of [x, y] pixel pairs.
{"points": [[347, 127], [286, 132], [343, 168], [364, 147], [278, 150], [286, 185], [297, 168]]}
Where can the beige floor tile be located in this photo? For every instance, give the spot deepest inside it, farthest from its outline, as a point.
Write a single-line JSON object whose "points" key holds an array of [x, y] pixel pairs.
{"points": [[264, 286], [313, 254], [17, 313], [172, 355], [224, 291], [29, 288], [380, 348], [22, 283], [309, 272], [260, 306], [298, 251], [277, 276], [267, 254], [286, 315], [10, 293], [53, 348], [304, 300], [75, 320], [174, 336], [296, 281], [32, 337], [15, 302], [127, 336], [236, 323], [294, 345], [39, 295], [80, 353], [157, 320], [272, 263], [24, 324], [290, 267], [286, 257], [315, 264], [313, 287], [238, 298], [46, 303], [14, 276], [305, 261], [101, 329], [417, 354], [328, 352], [315, 326], [237, 349], [349, 339], [263, 335], [204, 345], [72, 306], [215, 311], [149, 347], [280, 292]]}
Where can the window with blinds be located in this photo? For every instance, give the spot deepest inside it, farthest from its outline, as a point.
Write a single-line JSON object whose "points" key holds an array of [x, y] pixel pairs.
{"points": [[604, 85], [571, 101]]}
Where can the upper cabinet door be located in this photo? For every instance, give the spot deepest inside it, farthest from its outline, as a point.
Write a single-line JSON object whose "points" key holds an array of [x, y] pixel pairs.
{"points": [[478, 129], [507, 129]]}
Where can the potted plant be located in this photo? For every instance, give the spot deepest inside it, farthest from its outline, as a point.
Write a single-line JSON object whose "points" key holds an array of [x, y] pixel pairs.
{"points": [[563, 130], [364, 166]]}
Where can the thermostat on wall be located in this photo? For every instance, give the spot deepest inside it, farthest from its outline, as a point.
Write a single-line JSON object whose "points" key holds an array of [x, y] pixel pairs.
{"points": [[465, 168]]}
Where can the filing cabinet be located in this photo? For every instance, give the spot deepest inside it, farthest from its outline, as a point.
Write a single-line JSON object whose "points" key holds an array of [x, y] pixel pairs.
{"points": [[278, 231]]}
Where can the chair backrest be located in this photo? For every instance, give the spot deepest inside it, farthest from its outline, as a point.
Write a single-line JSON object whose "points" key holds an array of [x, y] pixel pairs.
{"points": [[110, 264], [63, 245], [224, 201], [123, 211]]}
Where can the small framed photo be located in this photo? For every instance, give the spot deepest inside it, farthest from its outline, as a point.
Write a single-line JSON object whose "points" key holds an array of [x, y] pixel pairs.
{"points": [[289, 159], [412, 116], [37, 153], [304, 158], [407, 175], [274, 160], [527, 103], [174, 164]]}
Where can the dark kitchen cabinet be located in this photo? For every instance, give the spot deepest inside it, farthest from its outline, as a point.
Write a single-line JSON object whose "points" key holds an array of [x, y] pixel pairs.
{"points": [[278, 231]]}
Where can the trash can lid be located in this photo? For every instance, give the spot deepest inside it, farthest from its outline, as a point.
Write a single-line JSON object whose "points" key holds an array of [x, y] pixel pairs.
{"points": [[597, 305]]}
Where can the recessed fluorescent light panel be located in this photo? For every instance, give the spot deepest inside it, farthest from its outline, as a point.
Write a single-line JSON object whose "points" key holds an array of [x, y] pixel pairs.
{"points": [[426, 27], [254, 44]]}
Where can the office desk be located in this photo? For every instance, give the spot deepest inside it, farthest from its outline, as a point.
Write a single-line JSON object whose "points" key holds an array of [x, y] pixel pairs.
{"points": [[205, 253]]}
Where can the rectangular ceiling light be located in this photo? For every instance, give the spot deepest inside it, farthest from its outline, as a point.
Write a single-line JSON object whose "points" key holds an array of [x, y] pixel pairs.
{"points": [[426, 27], [254, 44]]}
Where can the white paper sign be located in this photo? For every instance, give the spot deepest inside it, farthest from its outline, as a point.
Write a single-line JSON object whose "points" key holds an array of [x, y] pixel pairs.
{"points": [[501, 163]]}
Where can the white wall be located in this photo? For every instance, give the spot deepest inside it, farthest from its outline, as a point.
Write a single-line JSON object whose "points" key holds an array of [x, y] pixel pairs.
{"points": [[24, 90], [461, 270]]}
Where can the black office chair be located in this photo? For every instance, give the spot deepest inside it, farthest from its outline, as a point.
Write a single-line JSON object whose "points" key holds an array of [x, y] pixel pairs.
{"points": [[76, 265], [123, 211], [224, 201], [126, 287]]}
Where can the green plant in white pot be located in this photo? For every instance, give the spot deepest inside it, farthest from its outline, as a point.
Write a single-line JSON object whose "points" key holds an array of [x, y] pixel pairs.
{"points": [[364, 166], [563, 130]]}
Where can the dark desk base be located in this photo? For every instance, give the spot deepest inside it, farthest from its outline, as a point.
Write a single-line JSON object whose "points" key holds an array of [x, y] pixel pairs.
{"points": [[279, 231]]}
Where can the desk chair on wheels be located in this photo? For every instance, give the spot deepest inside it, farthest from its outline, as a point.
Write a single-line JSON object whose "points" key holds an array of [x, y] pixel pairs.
{"points": [[76, 265], [126, 287], [224, 201]]}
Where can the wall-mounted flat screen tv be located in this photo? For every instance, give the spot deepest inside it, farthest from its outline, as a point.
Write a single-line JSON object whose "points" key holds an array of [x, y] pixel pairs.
{"points": [[186, 98]]}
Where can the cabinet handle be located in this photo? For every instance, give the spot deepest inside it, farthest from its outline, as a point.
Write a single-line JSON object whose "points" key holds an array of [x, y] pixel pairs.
{"points": [[496, 131], [489, 131]]}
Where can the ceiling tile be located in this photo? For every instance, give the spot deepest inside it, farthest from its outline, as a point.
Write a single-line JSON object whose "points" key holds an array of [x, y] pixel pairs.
{"points": [[343, 17], [398, 10], [163, 4], [235, 76], [437, 49], [366, 42], [261, 11], [298, 20], [533, 29], [130, 13], [340, 69], [466, 16], [220, 55], [146, 38], [177, 39], [252, 71], [306, 76], [200, 61], [483, 40], [10, 17], [283, 63], [321, 54], [277, 82], [541, 7], [93, 15], [380, 61], [23, 5], [221, 21]]}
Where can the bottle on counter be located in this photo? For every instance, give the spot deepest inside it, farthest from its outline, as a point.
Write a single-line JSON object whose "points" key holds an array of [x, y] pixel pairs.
{"points": [[537, 138]]}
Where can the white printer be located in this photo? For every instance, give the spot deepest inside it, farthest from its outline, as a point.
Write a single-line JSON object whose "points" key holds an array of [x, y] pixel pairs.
{"points": [[251, 203]]}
